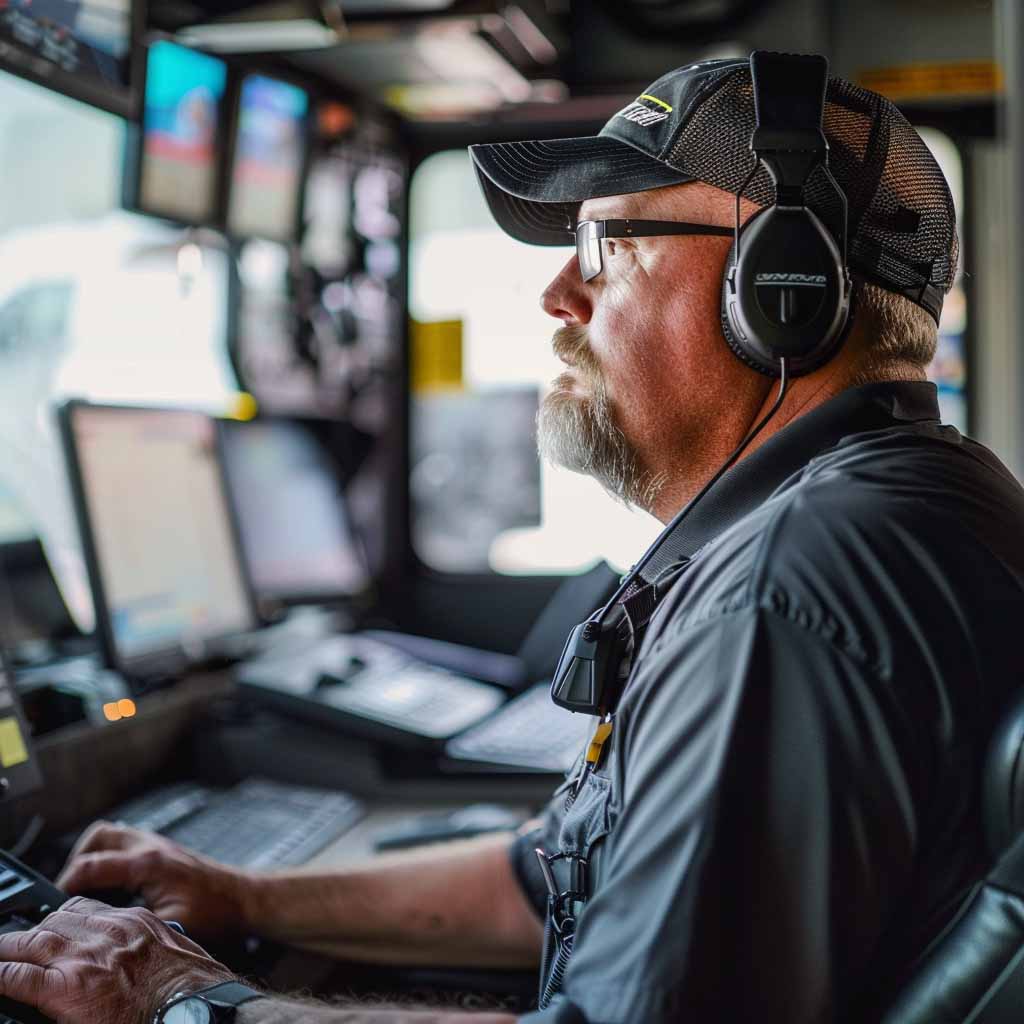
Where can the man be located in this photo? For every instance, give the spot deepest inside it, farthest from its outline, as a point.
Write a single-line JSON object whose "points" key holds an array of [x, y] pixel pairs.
{"points": [[785, 810]]}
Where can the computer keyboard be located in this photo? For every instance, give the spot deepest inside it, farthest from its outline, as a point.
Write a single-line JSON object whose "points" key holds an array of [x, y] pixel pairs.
{"points": [[529, 732], [256, 824], [359, 683], [25, 899]]}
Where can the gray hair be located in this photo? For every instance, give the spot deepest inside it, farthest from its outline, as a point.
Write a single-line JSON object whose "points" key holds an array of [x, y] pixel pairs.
{"points": [[895, 330]]}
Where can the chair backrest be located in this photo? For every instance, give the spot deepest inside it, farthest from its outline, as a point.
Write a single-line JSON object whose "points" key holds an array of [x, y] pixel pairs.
{"points": [[973, 973]]}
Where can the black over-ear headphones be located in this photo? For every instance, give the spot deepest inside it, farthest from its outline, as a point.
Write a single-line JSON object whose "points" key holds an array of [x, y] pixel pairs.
{"points": [[786, 291], [785, 308]]}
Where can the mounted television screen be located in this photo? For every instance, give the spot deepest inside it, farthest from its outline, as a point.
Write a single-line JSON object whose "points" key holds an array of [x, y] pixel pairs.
{"points": [[176, 152], [83, 48], [268, 160]]}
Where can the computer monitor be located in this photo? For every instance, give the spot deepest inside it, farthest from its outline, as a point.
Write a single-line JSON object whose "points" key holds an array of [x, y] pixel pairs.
{"points": [[158, 535], [269, 153], [86, 49], [172, 160], [297, 538]]}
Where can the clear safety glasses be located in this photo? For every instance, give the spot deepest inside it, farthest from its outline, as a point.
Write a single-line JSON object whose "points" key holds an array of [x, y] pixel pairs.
{"points": [[589, 233]]}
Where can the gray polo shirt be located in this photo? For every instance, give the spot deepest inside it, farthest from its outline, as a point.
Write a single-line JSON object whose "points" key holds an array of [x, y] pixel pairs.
{"points": [[788, 805]]}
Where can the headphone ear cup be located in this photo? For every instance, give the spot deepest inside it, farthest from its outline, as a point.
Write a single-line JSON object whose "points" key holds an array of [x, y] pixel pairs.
{"points": [[729, 332], [786, 295]]}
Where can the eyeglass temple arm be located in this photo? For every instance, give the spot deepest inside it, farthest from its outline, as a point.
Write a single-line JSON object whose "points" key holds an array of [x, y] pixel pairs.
{"points": [[649, 228]]}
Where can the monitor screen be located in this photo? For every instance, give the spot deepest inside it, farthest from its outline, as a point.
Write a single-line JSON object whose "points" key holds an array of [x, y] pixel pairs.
{"points": [[295, 528], [165, 567], [181, 124], [84, 48], [268, 157]]}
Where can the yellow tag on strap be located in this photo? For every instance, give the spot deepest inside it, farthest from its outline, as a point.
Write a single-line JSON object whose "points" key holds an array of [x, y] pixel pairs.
{"points": [[597, 742]]}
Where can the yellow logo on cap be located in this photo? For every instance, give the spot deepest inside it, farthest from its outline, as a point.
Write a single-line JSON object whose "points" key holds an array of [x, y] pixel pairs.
{"points": [[640, 113], [654, 99]]}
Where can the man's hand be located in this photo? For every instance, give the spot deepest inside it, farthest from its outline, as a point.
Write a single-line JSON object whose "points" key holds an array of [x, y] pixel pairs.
{"points": [[88, 963], [177, 885]]}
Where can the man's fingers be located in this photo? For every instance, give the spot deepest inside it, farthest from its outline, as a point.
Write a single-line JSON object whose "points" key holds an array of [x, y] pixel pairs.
{"points": [[22, 982], [91, 871], [39, 946], [103, 835]]}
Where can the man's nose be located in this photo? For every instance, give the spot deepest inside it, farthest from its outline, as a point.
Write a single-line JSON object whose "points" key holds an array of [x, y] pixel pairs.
{"points": [[566, 298]]}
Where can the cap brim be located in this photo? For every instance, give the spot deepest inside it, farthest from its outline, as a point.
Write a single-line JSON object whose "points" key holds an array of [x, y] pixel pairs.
{"points": [[534, 189]]}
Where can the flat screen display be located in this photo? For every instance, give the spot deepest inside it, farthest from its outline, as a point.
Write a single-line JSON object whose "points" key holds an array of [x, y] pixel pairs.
{"points": [[178, 171], [167, 573], [269, 153], [84, 48], [296, 534]]}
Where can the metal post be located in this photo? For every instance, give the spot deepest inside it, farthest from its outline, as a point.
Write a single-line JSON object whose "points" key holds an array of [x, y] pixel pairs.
{"points": [[1009, 45]]}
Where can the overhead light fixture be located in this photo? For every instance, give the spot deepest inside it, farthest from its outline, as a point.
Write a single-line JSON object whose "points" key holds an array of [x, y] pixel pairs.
{"points": [[271, 27], [448, 46]]}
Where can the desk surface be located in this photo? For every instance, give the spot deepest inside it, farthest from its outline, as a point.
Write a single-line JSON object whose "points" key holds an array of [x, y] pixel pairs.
{"points": [[358, 843]]}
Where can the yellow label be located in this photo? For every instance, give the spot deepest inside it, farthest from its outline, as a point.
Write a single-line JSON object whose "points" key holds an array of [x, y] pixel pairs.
{"points": [[597, 742], [436, 355], [243, 406], [12, 743], [928, 81]]}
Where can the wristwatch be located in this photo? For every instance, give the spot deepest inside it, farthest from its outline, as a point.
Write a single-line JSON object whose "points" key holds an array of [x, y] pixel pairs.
{"points": [[216, 1005]]}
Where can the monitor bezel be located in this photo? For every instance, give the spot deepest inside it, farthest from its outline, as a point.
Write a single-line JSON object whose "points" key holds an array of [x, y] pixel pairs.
{"points": [[124, 102], [144, 670], [269, 603], [294, 236], [133, 155]]}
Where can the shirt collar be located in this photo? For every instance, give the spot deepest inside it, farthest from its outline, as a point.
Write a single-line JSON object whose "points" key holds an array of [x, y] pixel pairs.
{"points": [[753, 480]]}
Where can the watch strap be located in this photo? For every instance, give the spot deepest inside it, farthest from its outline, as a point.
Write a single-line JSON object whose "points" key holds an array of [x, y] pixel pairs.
{"points": [[228, 993]]}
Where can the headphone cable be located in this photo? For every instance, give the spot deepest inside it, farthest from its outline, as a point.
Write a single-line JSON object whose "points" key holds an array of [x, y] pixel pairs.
{"points": [[633, 573]]}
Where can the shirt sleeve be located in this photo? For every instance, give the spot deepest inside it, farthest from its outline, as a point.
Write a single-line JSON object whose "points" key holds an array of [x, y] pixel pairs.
{"points": [[765, 832]]}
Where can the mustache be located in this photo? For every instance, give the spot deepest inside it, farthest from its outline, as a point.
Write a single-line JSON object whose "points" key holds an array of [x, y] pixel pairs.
{"points": [[571, 344]]}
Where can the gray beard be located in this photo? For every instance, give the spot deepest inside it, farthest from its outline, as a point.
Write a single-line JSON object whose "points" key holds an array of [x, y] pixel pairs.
{"points": [[576, 429]]}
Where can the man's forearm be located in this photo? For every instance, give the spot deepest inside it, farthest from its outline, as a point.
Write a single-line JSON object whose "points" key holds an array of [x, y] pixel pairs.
{"points": [[457, 904], [282, 1011]]}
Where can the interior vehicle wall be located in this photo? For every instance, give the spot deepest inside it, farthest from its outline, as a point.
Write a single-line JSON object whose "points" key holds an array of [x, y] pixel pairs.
{"points": [[873, 34]]}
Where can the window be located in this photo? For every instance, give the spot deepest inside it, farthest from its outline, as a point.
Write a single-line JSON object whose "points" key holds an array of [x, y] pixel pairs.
{"points": [[949, 368], [480, 501], [94, 302]]}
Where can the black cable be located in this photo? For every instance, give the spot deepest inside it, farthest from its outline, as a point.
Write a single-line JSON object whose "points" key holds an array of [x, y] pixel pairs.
{"points": [[634, 573]]}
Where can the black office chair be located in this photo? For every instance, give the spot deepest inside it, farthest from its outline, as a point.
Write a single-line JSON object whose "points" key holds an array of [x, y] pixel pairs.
{"points": [[973, 973]]}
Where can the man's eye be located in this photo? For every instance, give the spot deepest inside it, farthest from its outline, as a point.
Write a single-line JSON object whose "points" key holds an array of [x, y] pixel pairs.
{"points": [[613, 246]]}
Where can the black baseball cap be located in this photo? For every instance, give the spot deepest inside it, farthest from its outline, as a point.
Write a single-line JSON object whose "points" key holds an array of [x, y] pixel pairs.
{"points": [[695, 124]]}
